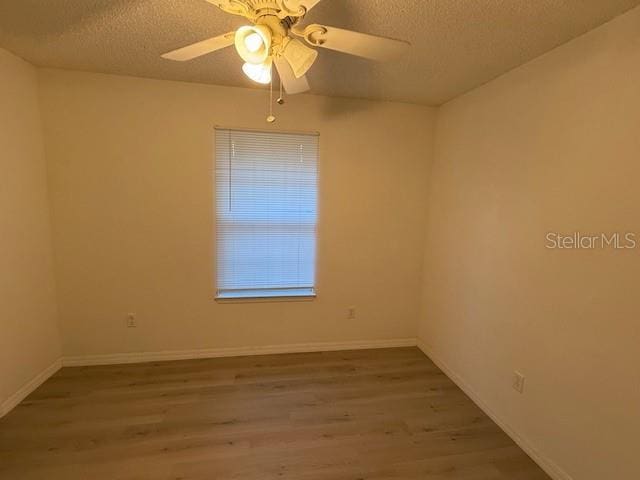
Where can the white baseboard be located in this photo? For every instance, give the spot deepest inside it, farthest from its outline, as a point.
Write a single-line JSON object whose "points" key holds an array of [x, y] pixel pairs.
{"points": [[121, 358], [548, 465], [24, 391]]}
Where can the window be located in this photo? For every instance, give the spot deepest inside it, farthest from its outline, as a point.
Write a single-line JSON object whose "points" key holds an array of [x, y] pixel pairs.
{"points": [[266, 213]]}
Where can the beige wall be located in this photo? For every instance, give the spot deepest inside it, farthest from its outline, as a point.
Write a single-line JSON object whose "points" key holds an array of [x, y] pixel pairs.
{"points": [[29, 340], [553, 146], [131, 177]]}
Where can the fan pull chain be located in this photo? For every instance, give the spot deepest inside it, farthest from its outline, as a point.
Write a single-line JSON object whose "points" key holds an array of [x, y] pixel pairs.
{"points": [[281, 97], [271, 118]]}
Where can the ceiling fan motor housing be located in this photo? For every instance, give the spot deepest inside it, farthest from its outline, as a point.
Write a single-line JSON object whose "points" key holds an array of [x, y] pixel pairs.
{"points": [[254, 9]]}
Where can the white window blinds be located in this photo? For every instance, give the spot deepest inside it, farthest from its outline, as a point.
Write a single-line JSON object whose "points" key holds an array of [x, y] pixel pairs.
{"points": [[266, 209]]}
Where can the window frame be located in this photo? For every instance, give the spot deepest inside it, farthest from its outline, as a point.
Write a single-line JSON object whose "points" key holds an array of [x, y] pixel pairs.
{"points": [[307, 297]]}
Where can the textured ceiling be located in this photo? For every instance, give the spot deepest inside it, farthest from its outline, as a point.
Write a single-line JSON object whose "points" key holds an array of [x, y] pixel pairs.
{"points": [[457, 44]]}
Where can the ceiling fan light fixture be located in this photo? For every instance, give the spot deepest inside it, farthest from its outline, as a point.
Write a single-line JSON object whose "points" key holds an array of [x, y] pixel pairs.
{"points": [[259, 73], [253, 43], [300, 57], [274, 38]]}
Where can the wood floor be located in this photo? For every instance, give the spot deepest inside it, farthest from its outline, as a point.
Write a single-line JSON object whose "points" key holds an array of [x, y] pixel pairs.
{"points": [[361, 415]]}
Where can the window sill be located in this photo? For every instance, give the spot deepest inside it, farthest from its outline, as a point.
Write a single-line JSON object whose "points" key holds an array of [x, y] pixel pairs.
{"points": [[266, 295], [296, 298]]}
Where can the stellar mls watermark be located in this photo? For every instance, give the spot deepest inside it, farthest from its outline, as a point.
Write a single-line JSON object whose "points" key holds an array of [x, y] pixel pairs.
{"points": [[580, 241]]}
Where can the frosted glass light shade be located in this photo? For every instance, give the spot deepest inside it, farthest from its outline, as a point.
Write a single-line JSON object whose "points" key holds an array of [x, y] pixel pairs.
{"points": [[259, 73], [253, 43], [299, 56]]}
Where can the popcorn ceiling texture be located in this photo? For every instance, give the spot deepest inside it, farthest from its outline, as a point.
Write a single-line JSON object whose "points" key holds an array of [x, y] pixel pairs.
{"points": [[457, 44]]}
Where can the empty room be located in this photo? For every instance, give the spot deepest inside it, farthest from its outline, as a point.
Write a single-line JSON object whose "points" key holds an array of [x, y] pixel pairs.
{"points": [[319, 239]]}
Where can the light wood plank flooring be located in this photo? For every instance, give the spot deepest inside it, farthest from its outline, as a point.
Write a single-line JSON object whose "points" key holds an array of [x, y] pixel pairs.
{"points": [[374, 415]]}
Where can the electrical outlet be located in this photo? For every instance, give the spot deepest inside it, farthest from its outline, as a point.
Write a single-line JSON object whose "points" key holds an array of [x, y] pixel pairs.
{"points": [[518, 382], [351, 313], [131, 320]]}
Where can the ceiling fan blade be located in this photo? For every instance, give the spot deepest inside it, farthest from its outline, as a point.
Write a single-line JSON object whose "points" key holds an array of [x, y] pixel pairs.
{"points": [[201, 48], [291, 84], [353, 43]]}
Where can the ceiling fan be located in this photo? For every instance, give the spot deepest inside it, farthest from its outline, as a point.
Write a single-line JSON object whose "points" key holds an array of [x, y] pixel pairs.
{"points": [[275, 38]]}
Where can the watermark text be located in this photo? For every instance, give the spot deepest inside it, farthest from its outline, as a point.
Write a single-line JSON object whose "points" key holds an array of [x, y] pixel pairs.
{"points": [[580, 241]]}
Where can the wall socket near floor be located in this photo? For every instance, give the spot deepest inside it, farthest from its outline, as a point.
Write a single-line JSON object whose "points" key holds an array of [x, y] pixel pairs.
{"points": [[132, 322], [518, 382], [351, 313]]}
